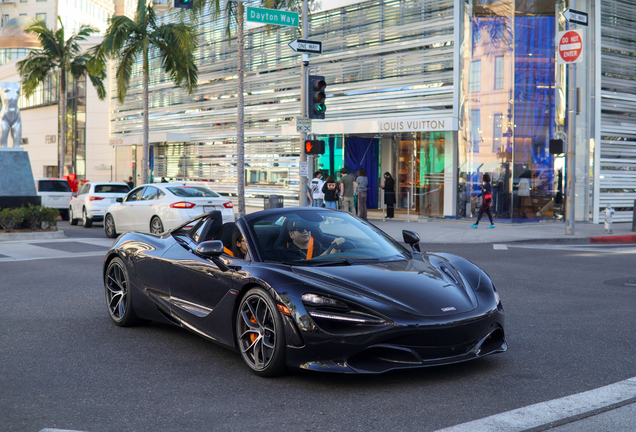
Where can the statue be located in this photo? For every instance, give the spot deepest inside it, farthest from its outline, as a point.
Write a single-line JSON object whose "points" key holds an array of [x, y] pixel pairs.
{"points": [[11, 120]]}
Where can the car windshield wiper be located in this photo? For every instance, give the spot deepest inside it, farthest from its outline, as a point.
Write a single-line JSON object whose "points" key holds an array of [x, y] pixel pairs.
{"points": [[334, 262]]}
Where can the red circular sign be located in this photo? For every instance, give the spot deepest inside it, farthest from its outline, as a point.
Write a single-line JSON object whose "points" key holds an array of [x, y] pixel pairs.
{"points": [[570, 46]]}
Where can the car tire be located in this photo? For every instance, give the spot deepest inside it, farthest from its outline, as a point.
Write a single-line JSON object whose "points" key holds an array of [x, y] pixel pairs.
{"points": [[73, 220], [64, 214], [260, 334], [88, 222], [156, 226], [118, 295], [109, 226]]}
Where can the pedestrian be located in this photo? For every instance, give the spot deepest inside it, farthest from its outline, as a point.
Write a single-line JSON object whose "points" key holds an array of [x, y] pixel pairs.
{"points": [[310, 200], [389, 194], [163, 180], [362, 183], [330, 190], [130, 182], [346, 190], [486, 194], [316, 189]]}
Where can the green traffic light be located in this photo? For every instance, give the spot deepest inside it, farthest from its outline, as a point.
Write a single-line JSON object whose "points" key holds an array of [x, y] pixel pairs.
{"points": [[320, 108]]}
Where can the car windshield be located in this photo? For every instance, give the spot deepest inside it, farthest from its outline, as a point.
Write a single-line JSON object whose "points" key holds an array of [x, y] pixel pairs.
{"points": [[192, 192], [111, 188], [321, 237], [53, 186]]}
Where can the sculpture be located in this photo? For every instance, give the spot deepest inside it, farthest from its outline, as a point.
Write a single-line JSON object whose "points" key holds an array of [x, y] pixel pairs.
{"points": [[10, 114]]}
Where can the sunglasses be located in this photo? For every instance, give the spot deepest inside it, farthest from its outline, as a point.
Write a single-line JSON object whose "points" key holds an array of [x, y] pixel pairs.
{"points": [[301, 228]]}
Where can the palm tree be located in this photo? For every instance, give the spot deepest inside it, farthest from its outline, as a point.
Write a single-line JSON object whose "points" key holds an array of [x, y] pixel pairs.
{"points": [[127, 39], [63, 55]]}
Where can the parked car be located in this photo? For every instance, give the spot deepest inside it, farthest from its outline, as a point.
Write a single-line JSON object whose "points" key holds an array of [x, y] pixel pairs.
{"points": [[158, 207], [92, 200], [366, 304], [56, 193]]}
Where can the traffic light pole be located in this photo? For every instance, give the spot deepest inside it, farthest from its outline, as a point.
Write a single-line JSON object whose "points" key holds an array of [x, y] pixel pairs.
{"points": [[303, 105]]}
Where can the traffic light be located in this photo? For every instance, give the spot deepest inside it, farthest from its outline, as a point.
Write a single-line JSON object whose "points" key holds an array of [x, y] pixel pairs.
{"points": [[316, 97], [314, 147], [184, 4]]}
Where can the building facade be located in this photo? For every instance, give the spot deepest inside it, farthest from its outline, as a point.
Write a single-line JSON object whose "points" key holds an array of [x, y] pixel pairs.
{"points": [[435, 92]]}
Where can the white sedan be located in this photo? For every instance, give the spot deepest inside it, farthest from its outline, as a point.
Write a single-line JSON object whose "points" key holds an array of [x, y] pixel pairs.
{"points": [[159, 207], [92, 199]]}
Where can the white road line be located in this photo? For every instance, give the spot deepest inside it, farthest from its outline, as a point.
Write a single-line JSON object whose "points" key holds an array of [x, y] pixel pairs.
{"points": [[499, 247], [556, 411], [58, 430], [60, 256]]}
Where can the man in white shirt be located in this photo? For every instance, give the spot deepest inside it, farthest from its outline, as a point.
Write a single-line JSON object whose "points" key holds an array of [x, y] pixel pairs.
{"points": [[316, 189]]}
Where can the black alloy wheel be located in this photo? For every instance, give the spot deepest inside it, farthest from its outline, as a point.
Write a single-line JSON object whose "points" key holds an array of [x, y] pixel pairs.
{"points": [[73, 220], [118, 297], [260, 334], [64, 214], [156, 226], [109, 226], [88, 222]]}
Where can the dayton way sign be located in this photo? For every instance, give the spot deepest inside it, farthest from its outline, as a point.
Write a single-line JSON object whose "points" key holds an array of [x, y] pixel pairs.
{"points": [[569, 47], [272, 16]]}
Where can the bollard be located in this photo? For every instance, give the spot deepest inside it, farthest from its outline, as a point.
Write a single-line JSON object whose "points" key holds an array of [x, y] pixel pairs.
{"points": [[609, 211]]}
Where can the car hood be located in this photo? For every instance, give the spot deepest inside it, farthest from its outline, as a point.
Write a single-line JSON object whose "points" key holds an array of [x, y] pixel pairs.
{"points": [[427, 287]]}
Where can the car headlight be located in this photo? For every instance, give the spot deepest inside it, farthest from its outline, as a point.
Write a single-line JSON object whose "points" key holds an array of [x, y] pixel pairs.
{"points": [[340, 317]]}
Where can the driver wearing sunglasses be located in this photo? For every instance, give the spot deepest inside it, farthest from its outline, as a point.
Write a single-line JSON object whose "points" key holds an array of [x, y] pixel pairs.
{"points": [[302, 245]]}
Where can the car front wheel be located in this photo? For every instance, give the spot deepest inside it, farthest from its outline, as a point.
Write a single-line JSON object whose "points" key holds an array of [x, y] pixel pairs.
{"points": [[118, 298], [88, 222], [109, 226], [260, 334], [156, 226]]}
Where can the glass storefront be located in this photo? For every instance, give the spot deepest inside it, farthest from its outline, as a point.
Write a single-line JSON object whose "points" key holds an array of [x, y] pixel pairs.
{"points": [[513, 104]]}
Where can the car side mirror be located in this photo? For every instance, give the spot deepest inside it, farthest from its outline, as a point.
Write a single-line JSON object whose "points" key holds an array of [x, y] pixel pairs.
{"points": [[119, 200], [412, 239], [210, 249], [74, 194]]}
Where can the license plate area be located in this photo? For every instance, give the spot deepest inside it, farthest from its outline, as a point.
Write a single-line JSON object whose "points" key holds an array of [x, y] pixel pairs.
{"points": [[207, 209]]}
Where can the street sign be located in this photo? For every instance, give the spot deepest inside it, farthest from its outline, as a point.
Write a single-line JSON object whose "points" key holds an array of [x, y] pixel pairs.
{"points": [[303, 124], [303, 169], [306, 46], [569, 47], [575, 17], [272, 16]]}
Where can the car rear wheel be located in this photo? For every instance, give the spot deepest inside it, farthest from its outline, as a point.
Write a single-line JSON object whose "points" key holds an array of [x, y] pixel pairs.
{"points": [[109, 226], [118, 298], [64, 214], [156, 226], [260, 334], [73, 220], [88, 222]]}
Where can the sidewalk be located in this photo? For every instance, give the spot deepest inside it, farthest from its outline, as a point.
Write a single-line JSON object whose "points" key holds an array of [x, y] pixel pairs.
{"points": [[460, 231]]}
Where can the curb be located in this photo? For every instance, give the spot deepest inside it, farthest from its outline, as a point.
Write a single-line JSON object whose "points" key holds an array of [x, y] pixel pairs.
{"points": [[618, 239], [32, 236]]}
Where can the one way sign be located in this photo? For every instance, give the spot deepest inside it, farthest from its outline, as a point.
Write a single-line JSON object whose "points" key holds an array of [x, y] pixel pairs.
{"points": [[306, 46]]}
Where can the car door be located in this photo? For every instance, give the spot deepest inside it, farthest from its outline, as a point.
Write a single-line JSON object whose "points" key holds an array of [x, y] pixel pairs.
{"points": [[202, 293], [77, 203], [146, 208], [124, 214]]}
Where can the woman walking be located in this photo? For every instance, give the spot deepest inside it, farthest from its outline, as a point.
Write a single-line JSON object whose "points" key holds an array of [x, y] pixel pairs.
{"points": [[389, 194], [362, 183], [486, 193], [330, 189]]}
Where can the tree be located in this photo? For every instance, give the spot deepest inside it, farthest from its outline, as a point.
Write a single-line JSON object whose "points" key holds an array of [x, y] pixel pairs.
{"points": [[127, 39], [65, 56]]}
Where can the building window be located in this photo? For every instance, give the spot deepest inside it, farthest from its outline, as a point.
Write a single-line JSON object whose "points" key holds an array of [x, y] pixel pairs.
{"points": [[499, 76], [474, 84], [497, 132], [475, 129], [5, 18], [41, 17], [23, 14], [23, 1]]}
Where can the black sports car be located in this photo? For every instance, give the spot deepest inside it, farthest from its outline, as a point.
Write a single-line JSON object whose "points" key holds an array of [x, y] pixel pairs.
{"points": [[307, 288]]}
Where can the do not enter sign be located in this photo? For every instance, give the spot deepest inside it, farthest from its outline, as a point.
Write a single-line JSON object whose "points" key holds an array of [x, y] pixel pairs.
{"points": [[569, 47]]}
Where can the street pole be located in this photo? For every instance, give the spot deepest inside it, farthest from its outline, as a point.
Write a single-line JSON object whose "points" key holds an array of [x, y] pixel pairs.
{"points": [[240, 133], [571, 154], [303, 105]]}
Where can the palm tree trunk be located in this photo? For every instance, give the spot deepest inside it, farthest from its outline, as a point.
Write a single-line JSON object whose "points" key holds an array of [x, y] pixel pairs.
{"points": [[240, 150], [144, 157], [62, 123]]}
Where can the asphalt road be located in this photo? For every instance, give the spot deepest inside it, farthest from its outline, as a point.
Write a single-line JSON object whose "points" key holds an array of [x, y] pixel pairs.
{"points": [[64, 365]]}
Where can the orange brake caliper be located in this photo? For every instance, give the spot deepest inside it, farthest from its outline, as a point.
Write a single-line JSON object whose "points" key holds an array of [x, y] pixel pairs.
{"points": [[253, 336]]}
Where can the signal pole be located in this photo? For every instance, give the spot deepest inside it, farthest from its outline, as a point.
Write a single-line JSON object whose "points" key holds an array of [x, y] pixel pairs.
{"points": [[303, 105]]}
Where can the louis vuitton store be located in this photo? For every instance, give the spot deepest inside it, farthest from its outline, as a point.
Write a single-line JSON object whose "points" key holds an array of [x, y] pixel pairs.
{"points": [[436, 92]]}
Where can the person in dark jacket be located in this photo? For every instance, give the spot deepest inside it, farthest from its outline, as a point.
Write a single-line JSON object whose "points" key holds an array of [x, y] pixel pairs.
{"points": [[486, 194], [389, 194], [330, 189]]}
